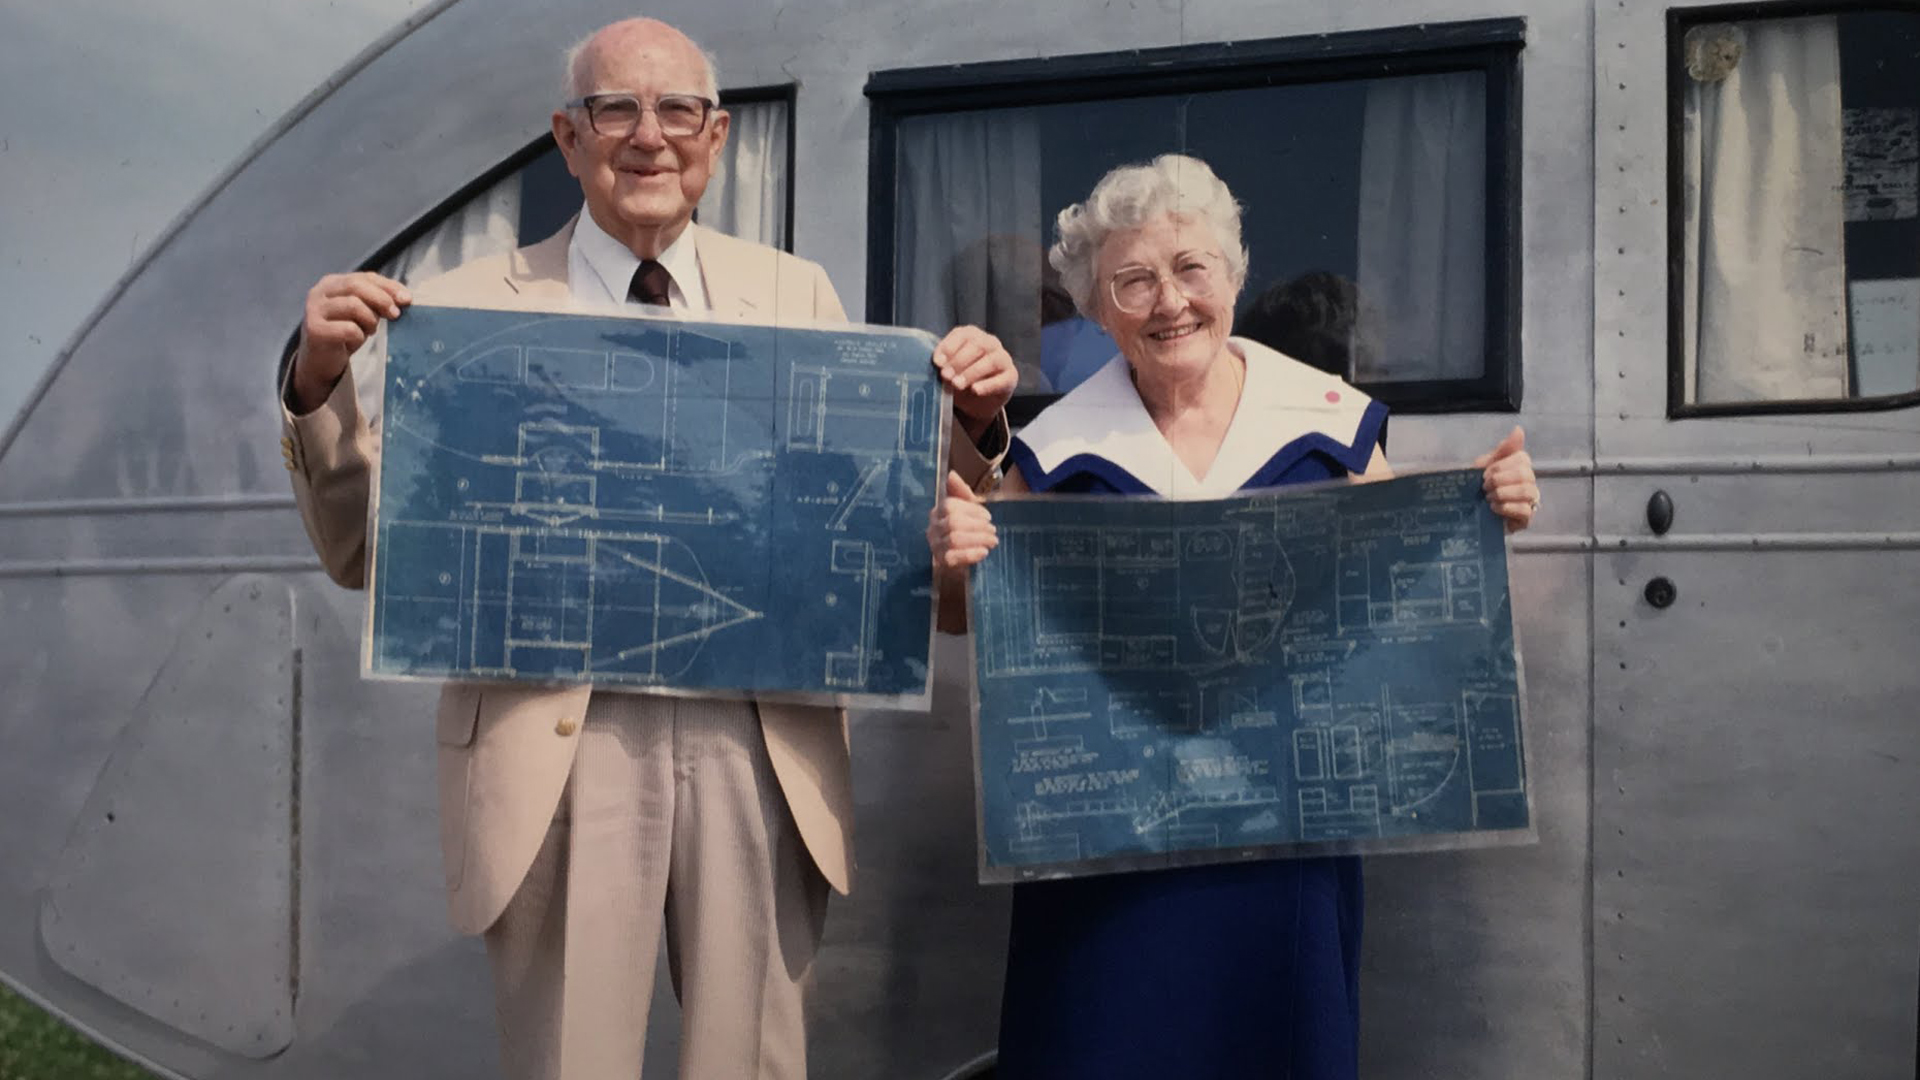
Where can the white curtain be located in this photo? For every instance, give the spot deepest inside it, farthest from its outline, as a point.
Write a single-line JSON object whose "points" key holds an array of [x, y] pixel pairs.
{"points": [[485, 226], [1765, 285], [747, 196], [1422, 230], [969, 229]]}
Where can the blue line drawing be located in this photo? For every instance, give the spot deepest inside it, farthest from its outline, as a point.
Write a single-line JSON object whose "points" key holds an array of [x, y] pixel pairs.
{"points": [[1292, 672], [656, 503]]}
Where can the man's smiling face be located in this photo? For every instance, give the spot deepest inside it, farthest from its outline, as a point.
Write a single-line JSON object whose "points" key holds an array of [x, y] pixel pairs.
{"points": [[641, 188]]}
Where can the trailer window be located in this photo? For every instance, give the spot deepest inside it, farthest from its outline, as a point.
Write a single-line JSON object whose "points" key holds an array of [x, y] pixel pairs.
{"points": [[1796, 219], [1377, 171]]}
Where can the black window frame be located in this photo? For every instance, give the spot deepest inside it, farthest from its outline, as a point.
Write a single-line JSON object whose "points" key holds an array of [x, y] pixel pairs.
{"points": [[519, 159], [1679, 21], [1488, 46]]}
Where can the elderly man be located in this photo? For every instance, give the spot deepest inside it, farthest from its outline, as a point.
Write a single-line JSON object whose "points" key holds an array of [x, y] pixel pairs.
{"points": [[576, 823]]}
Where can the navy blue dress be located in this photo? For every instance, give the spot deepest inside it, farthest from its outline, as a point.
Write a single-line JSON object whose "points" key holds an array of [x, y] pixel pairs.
{"points": [[1235, 970]]}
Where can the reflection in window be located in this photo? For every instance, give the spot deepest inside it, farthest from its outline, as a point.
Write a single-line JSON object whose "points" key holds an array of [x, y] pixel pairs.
{"points": [[1799, 234], [1365, 214], [748, 196]]}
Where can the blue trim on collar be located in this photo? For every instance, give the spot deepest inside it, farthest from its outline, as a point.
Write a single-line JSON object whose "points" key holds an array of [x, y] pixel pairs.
{"points": [[1353, 458], [1118, 478]]}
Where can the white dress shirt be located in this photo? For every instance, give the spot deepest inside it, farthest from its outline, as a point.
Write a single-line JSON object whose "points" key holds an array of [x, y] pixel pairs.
{"points": [[600, 268]]}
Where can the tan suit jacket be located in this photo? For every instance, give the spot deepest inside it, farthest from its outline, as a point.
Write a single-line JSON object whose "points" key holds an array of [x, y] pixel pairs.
{"points": [[505, 751]]}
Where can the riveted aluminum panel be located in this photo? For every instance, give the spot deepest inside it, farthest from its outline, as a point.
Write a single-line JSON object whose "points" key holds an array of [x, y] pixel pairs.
{"points": [[177, 890], [77, 657], [1870, 504], [1756, 856], [1755, 827], [104, 532]]}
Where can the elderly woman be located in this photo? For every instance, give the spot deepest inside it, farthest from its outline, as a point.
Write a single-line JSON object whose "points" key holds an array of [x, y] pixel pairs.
{"points": [[1232, 970]]}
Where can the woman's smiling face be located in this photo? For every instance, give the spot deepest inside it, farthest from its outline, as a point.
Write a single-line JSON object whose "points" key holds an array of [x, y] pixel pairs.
{"points": [[1173, 336]]}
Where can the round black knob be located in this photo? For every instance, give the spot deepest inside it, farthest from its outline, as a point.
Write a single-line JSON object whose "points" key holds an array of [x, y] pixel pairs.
{"points": [[1661, 592], [1660, 513]]}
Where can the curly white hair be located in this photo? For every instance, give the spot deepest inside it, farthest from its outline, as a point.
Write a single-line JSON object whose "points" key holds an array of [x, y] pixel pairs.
{"points": [[1133, 195]]}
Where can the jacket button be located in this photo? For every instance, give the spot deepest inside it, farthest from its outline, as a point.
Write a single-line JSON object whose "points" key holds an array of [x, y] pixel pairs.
{"points": [[567, 726]]}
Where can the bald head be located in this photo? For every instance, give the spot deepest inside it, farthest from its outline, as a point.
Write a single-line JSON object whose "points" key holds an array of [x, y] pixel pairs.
{"points": [[633, 36]]}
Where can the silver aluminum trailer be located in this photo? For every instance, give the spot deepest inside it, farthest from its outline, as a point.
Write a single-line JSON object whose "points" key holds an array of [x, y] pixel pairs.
{"points": [[217, 844]]}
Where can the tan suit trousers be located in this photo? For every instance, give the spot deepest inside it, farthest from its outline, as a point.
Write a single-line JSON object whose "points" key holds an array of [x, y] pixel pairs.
{"points": [[672, 813]]}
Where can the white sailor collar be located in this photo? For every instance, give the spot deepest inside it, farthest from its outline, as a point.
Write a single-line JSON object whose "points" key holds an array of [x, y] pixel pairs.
{"points": [[1287, 410]]}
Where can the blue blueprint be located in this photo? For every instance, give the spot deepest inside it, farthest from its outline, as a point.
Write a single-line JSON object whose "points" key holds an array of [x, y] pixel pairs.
{"points": [[1286, 673], [653, 502]]}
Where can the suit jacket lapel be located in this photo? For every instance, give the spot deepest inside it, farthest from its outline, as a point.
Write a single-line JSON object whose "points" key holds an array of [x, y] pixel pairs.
{"points": [[539, 272], [727, 272]]}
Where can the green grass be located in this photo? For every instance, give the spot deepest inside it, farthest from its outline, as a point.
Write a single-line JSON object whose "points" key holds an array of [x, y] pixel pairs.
{"points": [[35, 1046]]}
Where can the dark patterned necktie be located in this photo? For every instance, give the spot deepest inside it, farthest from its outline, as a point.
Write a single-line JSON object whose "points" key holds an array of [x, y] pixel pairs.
{"points": [[650, 283]]}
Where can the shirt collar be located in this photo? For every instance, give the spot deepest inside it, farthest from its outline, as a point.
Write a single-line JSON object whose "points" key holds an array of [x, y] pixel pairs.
{"points": [[1286, 410], [614, 263]]}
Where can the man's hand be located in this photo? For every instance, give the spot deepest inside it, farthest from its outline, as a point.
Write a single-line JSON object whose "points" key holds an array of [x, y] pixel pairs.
{"points": [[343, 310], [982, 375]]}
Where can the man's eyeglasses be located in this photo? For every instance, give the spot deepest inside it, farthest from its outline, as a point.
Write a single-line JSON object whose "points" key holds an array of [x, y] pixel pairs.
{"points": [[1136, 289], [616, 115]]}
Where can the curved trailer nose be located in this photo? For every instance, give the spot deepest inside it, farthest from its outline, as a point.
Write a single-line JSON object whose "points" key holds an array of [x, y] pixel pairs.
{"points": [[220, 843]]}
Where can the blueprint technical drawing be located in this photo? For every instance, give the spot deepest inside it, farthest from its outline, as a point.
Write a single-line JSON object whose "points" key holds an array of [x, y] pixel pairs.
{"points": [[656, 502], [1302, 672]]}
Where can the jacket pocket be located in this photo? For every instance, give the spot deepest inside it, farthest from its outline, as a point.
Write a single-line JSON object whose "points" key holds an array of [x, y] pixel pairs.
{"points": [[458, 715]]}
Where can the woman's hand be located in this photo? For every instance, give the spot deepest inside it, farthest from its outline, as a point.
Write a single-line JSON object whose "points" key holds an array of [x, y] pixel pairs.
{"points": [[1512, 490], [959, 530]]}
